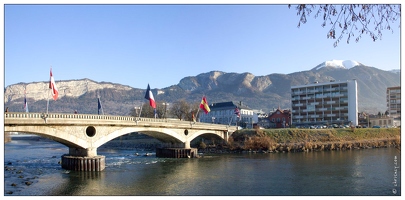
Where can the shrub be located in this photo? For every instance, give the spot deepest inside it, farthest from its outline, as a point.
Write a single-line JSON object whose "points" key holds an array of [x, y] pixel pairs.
{"points": [[203, 145]]}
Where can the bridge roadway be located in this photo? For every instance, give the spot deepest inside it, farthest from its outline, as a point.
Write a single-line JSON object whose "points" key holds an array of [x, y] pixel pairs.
{"points": [[84, 133]]}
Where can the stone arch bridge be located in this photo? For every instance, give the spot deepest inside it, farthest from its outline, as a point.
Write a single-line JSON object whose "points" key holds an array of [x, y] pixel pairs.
{"points": [[84, 133]]}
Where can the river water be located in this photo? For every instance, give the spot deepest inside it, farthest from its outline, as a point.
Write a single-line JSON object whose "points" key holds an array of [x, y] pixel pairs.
{"points": [[32, 169]]}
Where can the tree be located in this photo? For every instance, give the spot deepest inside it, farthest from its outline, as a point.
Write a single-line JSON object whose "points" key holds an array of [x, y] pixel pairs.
{"points": [[133, 112], [351, 18], [193, 111], [180, 109], [203, 145], [148, 111], [160, 109]]}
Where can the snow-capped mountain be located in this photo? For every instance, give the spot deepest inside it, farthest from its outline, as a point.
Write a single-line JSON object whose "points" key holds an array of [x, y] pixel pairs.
{"points": [[345, 64], [258, 92], [395, 71]]}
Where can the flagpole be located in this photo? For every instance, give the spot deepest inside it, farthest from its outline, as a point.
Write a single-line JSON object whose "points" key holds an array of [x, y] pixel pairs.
{"points": [[198, 110], [25, 97], [196, 115], [47, 104], [25, 100], [102, 109], [101, 105], [140, 111]]}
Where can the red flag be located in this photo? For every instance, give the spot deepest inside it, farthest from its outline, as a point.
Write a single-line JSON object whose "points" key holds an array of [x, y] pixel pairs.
{"points": [[53, 88], [204, 105], [149, 96], [237, 111]]}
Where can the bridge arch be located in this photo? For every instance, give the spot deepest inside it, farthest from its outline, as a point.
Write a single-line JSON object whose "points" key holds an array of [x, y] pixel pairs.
{"points": [[56, 135], [76, 137], [207, 132], [168, 136]]}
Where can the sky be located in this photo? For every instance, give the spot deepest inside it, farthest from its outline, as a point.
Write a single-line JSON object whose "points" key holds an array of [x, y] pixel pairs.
{"points": [[159, 44]]}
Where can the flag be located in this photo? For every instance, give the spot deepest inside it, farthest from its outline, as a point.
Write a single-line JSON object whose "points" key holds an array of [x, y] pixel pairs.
{"points": [[194, 120], [204, 105], [237, 111], [53, 88], [99, 105], [25, 103], [149, 96]]}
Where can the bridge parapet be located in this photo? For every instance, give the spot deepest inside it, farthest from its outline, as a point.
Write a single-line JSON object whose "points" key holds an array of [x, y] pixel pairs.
{"points": [[10, 115], [90, 119], [67, 116]]}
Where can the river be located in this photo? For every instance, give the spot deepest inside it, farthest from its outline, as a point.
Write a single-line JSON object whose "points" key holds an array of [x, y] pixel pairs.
{"points": [[31, 168]]}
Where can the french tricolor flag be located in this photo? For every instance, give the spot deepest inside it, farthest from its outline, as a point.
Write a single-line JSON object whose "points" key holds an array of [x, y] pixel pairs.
{"points": [[149, 96], [53, 88]]}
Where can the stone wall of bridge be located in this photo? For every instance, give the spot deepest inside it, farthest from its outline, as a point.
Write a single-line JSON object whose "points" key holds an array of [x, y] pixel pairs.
{"points": [[91, 131], [83, 134]]}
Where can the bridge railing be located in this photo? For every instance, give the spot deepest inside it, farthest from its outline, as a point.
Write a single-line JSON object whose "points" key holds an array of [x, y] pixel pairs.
{"points": [[21, 115], [110, 118], [81, 116], [24, 115]]}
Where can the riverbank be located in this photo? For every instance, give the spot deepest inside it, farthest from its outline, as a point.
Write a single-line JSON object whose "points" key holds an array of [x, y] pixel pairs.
{"points": [[300, 140], [276, 140]]}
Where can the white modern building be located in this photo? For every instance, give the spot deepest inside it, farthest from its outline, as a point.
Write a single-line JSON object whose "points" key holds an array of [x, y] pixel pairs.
{"points": [[394, 101], [328, 103]]}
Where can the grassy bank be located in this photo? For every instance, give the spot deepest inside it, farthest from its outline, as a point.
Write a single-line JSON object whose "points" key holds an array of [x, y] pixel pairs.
{"points": [[296, 140]]}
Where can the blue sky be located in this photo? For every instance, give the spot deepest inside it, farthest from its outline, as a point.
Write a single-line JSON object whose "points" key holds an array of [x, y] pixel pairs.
{"points": [[161, 44]]}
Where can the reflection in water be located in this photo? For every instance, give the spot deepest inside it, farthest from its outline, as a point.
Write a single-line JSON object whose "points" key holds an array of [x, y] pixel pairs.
{"points": [[77, 183], [354, 172]]}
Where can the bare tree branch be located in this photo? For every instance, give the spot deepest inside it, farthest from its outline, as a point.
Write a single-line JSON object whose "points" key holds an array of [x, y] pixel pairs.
{"points": [[352, 20]]}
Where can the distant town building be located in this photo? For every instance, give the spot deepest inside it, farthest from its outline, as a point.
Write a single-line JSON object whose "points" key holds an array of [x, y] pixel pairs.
{"points": [[385, 122], [280, 118], [231, 113], [262, 120], [394, 101], [333, 102], [363, 119]]}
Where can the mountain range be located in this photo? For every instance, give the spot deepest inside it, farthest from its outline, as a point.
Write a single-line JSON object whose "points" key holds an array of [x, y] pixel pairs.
{"points": [[257, 92]]}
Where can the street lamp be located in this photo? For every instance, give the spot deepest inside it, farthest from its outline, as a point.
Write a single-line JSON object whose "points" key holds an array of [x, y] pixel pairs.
{"points": [[136, 111], [368, 120], [165, 104]]}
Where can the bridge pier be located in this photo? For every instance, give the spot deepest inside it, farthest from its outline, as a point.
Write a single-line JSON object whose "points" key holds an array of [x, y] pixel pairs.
{"points": [[79, 163], [89, 152], [186, 152], [80, 159], [187, 145], [176, 153]]}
